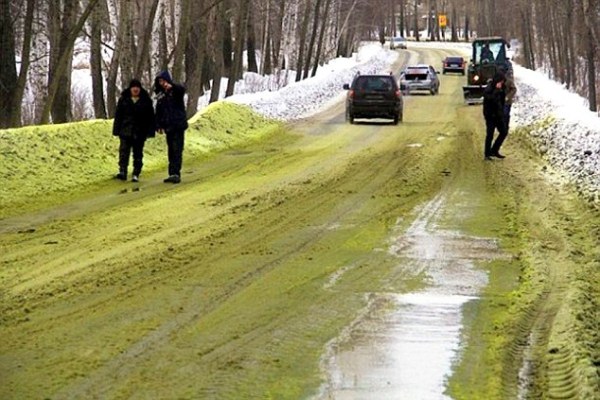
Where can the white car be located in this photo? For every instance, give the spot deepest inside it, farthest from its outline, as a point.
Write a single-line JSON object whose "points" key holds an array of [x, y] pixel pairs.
{"points": [[398, 42]]}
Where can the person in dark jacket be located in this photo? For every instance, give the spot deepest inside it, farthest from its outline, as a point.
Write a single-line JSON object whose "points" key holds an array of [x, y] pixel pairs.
{"points": [[134, 123], [494, 97], [171, 119]]}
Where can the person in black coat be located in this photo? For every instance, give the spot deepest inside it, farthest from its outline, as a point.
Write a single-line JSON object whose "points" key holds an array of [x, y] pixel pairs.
{"points": [[134, 123], [494, 97], [171, 119]]}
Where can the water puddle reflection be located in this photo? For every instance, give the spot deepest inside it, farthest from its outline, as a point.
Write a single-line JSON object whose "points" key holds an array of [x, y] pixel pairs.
{"points": [[404, 345]]}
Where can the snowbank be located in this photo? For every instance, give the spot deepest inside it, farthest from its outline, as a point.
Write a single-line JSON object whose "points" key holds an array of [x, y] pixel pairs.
{"points": [[562, 129], [300, 99]]}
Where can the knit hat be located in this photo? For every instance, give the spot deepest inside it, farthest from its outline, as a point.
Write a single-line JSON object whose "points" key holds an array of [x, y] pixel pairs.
{"points": [[135, 83]]}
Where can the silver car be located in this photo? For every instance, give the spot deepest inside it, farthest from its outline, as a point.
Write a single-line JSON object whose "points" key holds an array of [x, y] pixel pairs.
{"points": [[398, 42], [419, 78]]}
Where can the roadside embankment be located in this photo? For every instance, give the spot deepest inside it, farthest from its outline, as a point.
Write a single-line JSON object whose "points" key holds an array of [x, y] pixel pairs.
{"points": [[44, 164]]}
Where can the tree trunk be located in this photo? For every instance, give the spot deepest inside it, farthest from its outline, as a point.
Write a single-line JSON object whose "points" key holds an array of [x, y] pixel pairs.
{"points": [[163, 47], [302, 40], [321, 37], [126, 61], [416, 22], [251, 42], [344, 36], [64, 60], [454, 28], [277, 35], [221, 25], [313, 37], [61, 48], [227, 45], [142, 56], [17, 97], [195, 59], [266, 65], [240, 35], [8, 69], [96, 64], [402, 15], [182, 36]]}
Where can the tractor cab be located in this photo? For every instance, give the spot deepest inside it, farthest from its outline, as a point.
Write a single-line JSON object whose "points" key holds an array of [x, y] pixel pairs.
{"points": [[488, 56]]}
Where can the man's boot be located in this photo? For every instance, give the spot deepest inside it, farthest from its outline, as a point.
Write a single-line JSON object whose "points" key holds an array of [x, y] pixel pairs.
{"points": [[122, 175]]}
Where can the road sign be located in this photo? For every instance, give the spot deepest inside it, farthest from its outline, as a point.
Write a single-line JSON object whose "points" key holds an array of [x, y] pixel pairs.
{"points": [[442, 20]]}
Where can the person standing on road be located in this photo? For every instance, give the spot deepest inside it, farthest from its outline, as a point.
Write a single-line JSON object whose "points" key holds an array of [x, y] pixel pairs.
{"points": [[494, 98], [171, 119], [134, 123]]}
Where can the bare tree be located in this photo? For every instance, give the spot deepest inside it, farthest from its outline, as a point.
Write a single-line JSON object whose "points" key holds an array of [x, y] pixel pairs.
{"points": [[59, 81]]}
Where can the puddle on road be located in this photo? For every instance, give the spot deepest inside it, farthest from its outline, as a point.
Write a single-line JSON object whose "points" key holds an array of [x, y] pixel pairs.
{"points": [[403, 345]]}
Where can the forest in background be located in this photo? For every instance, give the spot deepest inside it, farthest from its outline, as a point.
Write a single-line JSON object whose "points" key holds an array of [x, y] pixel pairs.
{"points": [[202, 41]]}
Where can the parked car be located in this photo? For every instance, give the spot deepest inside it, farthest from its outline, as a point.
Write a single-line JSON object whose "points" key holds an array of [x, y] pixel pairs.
{"points": [[398, 42], [454, 64], [418, 78], [374, 96]]}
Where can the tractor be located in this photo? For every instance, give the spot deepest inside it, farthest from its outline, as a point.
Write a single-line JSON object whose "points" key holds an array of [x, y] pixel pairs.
{"points": [[488, 57]]}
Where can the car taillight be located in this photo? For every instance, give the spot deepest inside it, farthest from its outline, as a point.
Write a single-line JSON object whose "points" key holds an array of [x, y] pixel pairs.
{"points": [[476, 78], [351, 94], [398, 93]]}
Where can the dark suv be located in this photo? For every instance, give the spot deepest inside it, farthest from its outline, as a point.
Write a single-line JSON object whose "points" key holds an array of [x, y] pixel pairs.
{"points": [[374, 96], [454, 64]]}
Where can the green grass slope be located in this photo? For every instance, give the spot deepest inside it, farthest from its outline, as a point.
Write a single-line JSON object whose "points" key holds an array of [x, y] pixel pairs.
{"points": [[44, 165]]}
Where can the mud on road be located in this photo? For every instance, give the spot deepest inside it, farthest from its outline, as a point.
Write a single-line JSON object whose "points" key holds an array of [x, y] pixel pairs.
{"points": [[232, 284]]}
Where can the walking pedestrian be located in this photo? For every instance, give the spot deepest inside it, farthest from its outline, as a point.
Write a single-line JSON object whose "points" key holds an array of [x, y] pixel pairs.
{"points": [[494, 98], [133, 124], [171, 119]]}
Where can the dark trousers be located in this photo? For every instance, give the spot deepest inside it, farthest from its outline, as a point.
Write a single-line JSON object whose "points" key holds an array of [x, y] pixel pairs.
{"points": [[507, 108], [175, 140], [493, 124], [129, 144]]}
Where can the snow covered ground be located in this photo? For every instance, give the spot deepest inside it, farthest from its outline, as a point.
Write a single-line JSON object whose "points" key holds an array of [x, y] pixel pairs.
{"points": [[569, 137], [300, 99]]}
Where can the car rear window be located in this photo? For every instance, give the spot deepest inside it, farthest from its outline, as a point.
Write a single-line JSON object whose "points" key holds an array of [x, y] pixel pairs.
{"points": [[377, 83], [454, 59], [417, 71]]}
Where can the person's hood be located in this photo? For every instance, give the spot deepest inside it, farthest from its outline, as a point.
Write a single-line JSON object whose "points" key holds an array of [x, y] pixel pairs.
{"points": [[143, 93], [166, 76], [162, 75]]}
